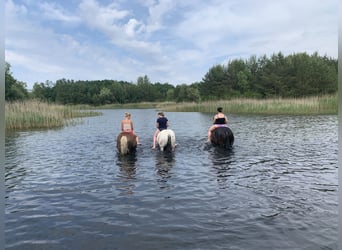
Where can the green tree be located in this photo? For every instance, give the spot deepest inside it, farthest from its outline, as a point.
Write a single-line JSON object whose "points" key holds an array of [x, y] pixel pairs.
{"points": [[146, 92], [170, 94], [105, 96], [193, 94], [277, 76], [237, 74], [214, 83], [43, 91], [14, 90]]}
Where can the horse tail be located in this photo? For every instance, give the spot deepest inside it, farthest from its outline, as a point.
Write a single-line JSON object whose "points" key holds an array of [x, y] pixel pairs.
{"points": [[123, 145], [229, 138], [169, 141]]}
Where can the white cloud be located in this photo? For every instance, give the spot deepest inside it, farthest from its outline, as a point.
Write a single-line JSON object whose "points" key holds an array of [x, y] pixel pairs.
{"points": [[157, 12], [102, 18], [14, 9], [55, 12], [170, 41], [132, 27]]}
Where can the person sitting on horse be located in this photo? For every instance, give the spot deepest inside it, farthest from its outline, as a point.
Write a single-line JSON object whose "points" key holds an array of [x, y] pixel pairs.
{"points": [[220, 120], [127, 126], [162, 123]]}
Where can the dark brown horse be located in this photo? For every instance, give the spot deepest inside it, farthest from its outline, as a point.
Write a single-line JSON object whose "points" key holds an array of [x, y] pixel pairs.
{"points": [[126, 143], [222, 137]]}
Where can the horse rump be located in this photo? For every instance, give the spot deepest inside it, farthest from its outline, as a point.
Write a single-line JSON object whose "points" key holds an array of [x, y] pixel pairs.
{"points": [[223, 137], [126, 143], [168, 146], [166, 140]]}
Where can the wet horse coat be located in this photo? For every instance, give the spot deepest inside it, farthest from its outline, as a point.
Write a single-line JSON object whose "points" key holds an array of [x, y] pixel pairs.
{"points": [[222, 137], [166, 140], [126, 143]]}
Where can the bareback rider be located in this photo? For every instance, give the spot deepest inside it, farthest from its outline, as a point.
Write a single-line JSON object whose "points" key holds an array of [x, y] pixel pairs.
{"points": [[127, 126], [220, 120]]}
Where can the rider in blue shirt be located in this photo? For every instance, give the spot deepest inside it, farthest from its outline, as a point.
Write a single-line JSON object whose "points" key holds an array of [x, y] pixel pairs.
{"points": [[162, 123]]}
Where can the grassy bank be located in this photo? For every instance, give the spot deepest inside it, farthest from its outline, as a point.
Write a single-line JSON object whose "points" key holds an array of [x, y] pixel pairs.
{"points": [[35, 114], [140, 105], [327, 104], [316, 105]]}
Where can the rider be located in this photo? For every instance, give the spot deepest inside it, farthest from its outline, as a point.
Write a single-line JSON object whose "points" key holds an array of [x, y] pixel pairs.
{"points": [[127, 126], [220, 120], [162, 123]]}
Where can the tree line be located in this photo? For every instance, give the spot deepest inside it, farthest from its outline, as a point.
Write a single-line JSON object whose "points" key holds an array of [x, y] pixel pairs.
{"points": [[296, 75]]}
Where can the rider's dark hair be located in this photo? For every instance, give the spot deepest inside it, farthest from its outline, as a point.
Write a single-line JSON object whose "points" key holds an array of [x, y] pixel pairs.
{"points": [[219, 109]]}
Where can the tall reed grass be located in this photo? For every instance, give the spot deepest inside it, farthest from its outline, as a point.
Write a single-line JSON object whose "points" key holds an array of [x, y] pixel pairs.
{"points": [[327, 104], [35, 114]]}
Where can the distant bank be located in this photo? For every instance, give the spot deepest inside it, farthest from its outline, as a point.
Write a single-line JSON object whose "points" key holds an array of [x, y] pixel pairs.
{"points": [[36, 115], [315, 105]]}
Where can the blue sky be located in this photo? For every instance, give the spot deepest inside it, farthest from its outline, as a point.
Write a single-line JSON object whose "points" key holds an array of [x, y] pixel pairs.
{"points": [[170, 41]]}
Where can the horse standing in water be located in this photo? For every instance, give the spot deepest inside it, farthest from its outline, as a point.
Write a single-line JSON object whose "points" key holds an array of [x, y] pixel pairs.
{"points": [[166, 140], [126, 143], [222, 137]]}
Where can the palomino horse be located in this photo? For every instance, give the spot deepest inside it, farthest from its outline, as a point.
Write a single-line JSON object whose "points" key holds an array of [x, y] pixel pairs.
{"points": [[222, 137], [126, 143], [166, 140]]}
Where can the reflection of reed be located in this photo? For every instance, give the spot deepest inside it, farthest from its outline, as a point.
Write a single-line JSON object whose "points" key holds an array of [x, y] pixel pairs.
{"points": [[14, 171]]}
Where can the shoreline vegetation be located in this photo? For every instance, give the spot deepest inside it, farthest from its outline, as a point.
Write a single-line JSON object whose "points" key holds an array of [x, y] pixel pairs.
{"points": [[315, 105], [33, 114]]}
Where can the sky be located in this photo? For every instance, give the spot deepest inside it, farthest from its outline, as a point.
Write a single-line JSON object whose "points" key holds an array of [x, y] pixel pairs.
{"points": [[170, 41]]}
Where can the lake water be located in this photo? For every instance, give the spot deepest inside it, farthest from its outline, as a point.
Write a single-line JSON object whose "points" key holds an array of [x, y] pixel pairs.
{"points": [[276, 189]]}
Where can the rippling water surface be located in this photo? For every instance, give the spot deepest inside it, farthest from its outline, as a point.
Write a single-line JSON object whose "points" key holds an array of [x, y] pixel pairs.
{"points": [[276, 189]]}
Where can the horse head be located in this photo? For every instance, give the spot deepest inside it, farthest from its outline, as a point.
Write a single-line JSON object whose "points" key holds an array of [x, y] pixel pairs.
{"points": [[126, 143]]}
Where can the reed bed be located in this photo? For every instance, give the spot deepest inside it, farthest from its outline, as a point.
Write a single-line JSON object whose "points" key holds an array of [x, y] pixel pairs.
{"points": [[140, 105], [327, 104], [35, 115]]}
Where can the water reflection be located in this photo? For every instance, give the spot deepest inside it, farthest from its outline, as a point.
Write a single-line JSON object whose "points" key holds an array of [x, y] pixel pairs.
{"points": [[220, 156], [14, 171], [164, 163], [222, 160], [127, 166], [127, 173]]}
